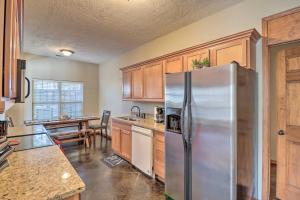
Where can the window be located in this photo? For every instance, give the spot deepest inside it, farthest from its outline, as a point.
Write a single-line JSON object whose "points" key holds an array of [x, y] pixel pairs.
{"points": [[51, 99]]}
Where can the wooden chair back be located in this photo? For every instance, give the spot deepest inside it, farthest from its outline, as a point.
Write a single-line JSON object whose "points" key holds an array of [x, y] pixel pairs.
{"points": [[105, 118]]}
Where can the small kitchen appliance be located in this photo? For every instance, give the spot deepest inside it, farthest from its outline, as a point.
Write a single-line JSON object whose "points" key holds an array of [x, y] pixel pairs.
{"points": [[159, 114]]}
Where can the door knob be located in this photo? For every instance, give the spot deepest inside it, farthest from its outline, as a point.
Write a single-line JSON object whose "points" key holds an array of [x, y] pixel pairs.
{"points": [[281, 132]]}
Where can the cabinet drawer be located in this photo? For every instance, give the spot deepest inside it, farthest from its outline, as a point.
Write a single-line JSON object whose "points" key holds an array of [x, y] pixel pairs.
{"points": [[120, 125]]}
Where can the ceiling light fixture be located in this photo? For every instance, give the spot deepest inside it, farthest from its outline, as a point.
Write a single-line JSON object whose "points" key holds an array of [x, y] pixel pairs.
{"points": [[66, 52]]}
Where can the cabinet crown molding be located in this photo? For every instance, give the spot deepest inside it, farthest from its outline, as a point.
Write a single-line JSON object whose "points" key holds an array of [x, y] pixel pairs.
{"points": [[252, 34]]}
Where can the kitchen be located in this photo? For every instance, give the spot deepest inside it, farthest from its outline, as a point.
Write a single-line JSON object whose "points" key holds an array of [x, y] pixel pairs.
{"points": [[132, 86]]}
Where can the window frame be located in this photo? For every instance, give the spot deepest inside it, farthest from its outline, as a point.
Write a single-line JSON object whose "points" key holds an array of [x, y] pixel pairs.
{"points": [[60, 102]]}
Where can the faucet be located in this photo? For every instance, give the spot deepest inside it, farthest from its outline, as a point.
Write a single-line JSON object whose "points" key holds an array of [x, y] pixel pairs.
{"points": [[139, 110]]}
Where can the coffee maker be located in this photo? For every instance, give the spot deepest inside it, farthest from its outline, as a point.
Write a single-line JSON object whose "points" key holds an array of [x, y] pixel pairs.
{"points": [[159, 114]]}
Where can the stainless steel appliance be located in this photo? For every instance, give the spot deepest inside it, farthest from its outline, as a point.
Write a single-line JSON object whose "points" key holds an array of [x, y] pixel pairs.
{"points": [[21, 79], [211, 134], [159, 114], [31, 141]]}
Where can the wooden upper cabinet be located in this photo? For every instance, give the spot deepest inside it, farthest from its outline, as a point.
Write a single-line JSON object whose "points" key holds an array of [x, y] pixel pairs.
{"points": [[137, 83], [228, 52], [9, 47], [2, 26], [127, 84], [12, 45], [195, 55], [174, 64], [153, 81], [147, 77]]}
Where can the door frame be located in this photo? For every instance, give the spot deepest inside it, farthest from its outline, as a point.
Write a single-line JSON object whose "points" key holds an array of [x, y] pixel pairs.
{"points": [[266, 120]]}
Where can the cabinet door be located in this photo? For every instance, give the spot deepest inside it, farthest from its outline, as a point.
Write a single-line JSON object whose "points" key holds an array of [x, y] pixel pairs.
{"points": [[228, 52], [116, 139], [159, 154], [12, 49], [126, 144], [153, 81], [126, 84], [195, 55], [8, 47], [174, 64], [2, 17], [15, 54], [137, 83]]}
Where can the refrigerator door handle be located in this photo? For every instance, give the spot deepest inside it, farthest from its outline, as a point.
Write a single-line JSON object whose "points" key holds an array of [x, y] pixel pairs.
{"points": [[189, 108], [186, 136], [182, 120], [187, 132]]}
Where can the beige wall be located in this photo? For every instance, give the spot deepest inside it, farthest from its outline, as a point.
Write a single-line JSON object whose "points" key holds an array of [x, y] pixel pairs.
{"points": [[59, 69], [242, 16]]}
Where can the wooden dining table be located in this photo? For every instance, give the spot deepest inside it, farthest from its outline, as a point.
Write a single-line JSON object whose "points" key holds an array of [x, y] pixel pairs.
{"points": [[80, 121]]}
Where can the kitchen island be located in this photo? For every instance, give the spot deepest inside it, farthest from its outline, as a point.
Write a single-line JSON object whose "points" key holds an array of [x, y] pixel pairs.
{"points": [[40, 173]]}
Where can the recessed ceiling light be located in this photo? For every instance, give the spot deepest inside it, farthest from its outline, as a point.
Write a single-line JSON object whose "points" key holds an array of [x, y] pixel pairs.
{"points": [[66, 52]]}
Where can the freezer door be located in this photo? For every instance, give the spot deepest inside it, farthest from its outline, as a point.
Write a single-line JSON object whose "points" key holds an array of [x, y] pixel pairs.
{"points": [[174, 166], [213, 127]]}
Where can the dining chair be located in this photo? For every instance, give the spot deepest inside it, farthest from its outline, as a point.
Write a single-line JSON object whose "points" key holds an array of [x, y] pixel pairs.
{"points": [[10, 122], [103, 124]]}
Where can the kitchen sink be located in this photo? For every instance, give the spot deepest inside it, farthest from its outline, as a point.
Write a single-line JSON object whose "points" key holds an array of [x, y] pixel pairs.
{"points": [[129, 118]]}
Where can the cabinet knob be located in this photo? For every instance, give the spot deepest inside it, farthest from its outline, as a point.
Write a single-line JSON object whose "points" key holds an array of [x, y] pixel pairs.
{"points": [[281, 132]]}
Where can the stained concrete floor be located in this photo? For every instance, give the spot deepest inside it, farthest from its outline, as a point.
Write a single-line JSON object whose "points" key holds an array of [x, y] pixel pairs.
{"points": [[102, 182]]}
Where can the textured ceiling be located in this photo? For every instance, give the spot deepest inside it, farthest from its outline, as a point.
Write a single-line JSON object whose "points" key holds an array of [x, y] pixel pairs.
{"points": [[100, 29]]}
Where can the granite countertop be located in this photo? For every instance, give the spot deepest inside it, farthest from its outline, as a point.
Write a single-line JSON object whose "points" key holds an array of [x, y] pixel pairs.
{"points": [[146, 123], [25, 130], [37, 174]]}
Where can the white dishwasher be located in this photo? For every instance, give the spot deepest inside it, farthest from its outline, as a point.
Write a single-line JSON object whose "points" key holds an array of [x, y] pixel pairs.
{"points": [[142, 149]]}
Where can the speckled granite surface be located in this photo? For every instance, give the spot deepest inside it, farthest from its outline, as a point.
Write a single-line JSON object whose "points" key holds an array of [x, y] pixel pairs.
{"points": [[146, 123], [37, 174]]}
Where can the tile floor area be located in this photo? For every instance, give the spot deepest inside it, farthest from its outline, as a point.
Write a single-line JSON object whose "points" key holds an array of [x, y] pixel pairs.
{"points": [[102, 182]]}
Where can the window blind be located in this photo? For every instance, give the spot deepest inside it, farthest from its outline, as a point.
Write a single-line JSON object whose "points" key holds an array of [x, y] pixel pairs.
{"points": [[51, 99]]}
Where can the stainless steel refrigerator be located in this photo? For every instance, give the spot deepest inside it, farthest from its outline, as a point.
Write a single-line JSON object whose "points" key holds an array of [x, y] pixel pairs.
{"points": [[211, 134]]}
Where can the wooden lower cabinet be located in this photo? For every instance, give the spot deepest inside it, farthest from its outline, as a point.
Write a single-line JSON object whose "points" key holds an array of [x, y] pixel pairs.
{"points": [[126, 144], [159, 155], [121, 139], [122, 144], [116, 139]]}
